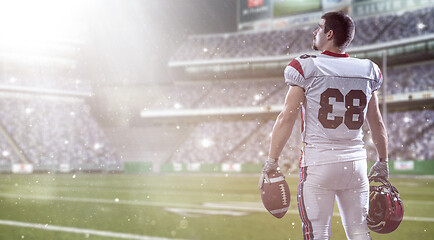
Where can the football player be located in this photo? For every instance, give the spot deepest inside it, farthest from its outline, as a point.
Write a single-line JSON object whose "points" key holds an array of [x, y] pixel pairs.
{"points": [[336, 96]]}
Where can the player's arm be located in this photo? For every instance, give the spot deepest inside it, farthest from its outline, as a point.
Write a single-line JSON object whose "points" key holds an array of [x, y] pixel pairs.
{"points": [[282, 128], [379, 137]]}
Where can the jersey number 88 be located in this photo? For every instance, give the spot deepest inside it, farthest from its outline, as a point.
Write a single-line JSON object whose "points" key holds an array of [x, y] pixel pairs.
{"points": [[327, 108]]}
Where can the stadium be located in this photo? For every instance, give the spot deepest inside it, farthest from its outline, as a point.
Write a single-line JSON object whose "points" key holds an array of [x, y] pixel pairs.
{"points": [[121, 121]]}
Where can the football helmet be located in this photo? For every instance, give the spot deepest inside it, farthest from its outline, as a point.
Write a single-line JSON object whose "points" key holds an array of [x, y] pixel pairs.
{"points": [[385, 207]]}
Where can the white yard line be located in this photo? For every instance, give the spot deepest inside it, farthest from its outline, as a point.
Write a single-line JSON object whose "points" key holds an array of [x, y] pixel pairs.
{"points": [[255, 207], [35, 189], [80, 230], [96, 200]]}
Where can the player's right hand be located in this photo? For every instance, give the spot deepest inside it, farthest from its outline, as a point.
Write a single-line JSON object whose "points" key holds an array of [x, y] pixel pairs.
{"points": [[381, 168], [270, 165]]}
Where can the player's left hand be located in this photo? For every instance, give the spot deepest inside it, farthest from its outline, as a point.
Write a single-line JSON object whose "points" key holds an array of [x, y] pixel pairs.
{"points": [[270, 165], [381, 168]]}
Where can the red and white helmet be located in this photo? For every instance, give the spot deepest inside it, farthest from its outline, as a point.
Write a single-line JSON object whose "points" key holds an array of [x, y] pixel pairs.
{"points": [[385, 207]]}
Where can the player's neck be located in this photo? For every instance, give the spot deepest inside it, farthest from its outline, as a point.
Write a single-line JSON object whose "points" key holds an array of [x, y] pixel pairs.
{"points": [[334, 50]]}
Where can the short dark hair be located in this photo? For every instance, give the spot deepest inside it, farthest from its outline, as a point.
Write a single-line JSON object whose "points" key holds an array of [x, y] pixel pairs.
{"points": [[342, 25]]}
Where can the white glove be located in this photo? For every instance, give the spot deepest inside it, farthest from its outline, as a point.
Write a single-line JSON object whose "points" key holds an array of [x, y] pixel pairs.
{"points": [[270, 165], [381, 167]]}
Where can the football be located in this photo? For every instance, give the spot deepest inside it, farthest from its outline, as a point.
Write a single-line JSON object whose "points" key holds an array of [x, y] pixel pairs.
{"points": [[275, 194]]}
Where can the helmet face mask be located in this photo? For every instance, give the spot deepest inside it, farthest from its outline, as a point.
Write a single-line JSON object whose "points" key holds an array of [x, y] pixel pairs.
{"points": [[385, 207]]}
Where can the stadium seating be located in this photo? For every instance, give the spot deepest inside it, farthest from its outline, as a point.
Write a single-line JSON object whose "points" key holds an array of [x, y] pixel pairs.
{"points": [[7, 153], [263, 92], [52, 132], [239, 141], [369, 30], [414, 78], [410, 134]]}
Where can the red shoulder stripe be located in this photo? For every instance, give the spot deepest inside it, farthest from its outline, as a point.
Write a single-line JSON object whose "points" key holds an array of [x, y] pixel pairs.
{"points": [[295, 64]]}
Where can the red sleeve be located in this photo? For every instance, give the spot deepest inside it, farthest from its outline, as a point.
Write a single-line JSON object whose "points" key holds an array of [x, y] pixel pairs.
{"points": [[295, 64]]}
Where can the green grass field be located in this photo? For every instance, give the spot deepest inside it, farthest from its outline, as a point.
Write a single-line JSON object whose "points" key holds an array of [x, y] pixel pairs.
{"points": [[99, 206]]}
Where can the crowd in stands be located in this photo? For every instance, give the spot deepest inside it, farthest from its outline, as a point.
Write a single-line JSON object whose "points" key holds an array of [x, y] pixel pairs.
{"points": [[221, 94], [52, 132], [212, 142], [410, 138], [369, 30], [419, 77], [7, 153], [264, 92], [410, 134], [240, 141]]}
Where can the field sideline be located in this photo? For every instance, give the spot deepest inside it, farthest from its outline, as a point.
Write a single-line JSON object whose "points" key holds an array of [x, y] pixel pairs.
{"points": [[103, 206]]}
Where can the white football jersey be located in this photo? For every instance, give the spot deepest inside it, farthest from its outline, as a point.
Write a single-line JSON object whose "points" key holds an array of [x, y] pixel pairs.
{"points": [[338, 89]]}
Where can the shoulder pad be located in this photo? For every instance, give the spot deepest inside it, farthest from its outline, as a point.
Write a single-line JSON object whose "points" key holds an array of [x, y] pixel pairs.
{"points": [[304, 56]]}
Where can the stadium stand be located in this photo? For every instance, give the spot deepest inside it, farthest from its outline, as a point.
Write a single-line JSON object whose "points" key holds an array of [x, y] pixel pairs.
{"points": [[409, 24], [263, 92], [413, 78], [370, 30], [411, 129], [409, 134], [7, 154], [54, 132], [214, 141]]}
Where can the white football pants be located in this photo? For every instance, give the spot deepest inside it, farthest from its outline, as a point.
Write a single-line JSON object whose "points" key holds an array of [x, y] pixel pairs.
{"points": [[316, 193]]}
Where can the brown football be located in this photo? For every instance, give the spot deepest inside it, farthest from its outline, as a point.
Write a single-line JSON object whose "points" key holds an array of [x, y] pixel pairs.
{"points": [[275, 194]]}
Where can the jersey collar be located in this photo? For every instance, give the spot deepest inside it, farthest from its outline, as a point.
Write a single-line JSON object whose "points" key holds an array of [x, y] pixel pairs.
{"points": [[335, 54]]}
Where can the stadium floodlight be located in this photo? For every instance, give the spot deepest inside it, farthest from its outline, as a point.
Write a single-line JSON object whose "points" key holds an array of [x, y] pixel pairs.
{"points": [[27, 25], [206, 142], [5, 153]]}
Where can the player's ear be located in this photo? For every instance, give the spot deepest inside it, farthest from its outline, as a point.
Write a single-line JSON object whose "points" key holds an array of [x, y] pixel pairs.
{"points": [[330, 34]]}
